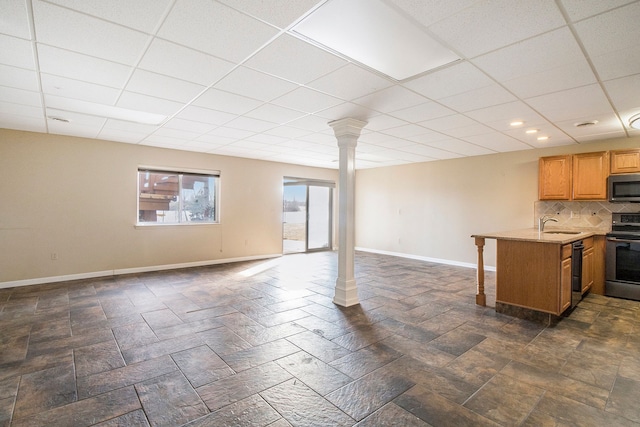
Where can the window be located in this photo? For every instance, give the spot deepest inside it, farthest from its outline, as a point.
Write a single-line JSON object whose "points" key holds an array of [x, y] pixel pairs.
{"points": [[170, 197]]}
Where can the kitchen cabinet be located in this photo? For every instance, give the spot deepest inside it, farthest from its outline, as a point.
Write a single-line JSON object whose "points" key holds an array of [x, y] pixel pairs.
{"points": [[554, 178], [625, 161], [588, 262], [599, 248], [534, 275], [590, 172], [573, 177]]}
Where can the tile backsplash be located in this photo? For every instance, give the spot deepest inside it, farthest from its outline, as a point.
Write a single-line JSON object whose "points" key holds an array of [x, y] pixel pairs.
{"points": [[596, 215]]}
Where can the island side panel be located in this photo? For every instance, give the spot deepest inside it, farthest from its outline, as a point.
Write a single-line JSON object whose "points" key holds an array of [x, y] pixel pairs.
{"points": [[528, 274]]}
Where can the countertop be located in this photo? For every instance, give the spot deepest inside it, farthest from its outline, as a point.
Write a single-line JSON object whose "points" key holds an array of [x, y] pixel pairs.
{"points": [[550, 235]]}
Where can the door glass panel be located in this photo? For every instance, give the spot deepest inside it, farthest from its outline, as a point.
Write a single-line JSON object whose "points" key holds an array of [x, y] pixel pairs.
{"points": [[295, 218], [319, 219]]}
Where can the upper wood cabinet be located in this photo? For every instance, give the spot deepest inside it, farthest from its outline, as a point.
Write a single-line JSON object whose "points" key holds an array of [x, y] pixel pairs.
{"points": [[554, 178], [590, 172], [625, 161]]}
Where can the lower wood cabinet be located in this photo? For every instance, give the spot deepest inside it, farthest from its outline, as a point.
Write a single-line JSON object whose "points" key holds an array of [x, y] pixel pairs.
{"points": [[588, 263]]}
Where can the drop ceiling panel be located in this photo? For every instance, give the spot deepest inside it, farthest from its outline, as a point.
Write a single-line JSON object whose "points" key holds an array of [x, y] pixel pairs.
{"points": [[346, 109], [69, 88], [499, 116], [478, 98], [31, 124], [310, 122], [275, 114], [31, 111], [142, 15], [183, 63], [160, 86], [205, 115], [436, 85], [426, 111], [257, 85], [82, 67], [21, 52], [580, 9], [391, 99], [432, 152], [190, 23], [282, 58], [189, 126], [458, 146], [428, 12], [275, 12], [20, 96], [350, 82], [306, 100], [226, 101], [625, 92], [405, 131], [497, 142], [571, 104], [250, 124], [149, 104], [15, 18], [486, 26], [383, 121], [18, 78], [60, 27]]}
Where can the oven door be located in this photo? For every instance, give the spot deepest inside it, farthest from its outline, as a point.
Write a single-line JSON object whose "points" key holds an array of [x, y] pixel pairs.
{"points": [[623, 267]]}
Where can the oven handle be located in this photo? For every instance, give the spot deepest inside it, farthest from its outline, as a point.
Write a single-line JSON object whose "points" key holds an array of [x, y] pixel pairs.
{"points": [[614, 239]]}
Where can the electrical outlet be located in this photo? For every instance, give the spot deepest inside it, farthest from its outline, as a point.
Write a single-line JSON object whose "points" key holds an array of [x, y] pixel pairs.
{"points": [[54, 256]]}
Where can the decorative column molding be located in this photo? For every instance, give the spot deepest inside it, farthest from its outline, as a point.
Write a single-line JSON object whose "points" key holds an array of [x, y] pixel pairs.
{"points": [[347, 132]]}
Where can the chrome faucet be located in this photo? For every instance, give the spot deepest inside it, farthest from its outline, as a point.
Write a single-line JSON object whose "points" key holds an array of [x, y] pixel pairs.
{"points": [[543, 220]]}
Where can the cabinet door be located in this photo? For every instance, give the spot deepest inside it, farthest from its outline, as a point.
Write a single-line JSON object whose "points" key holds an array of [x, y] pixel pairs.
{"points": [[625, 161], [587, 269], [590, 171], [554, 178], [565, 285]]}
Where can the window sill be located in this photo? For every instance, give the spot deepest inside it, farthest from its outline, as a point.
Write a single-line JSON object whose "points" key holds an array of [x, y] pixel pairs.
{"points": [[181, 224]]}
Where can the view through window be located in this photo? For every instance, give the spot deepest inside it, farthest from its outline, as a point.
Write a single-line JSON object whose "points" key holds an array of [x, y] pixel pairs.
{"points": [[169, 197]]}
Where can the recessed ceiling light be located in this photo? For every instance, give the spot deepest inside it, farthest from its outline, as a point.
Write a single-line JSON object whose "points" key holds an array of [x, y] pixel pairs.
{"points": [[376, 35], [543, 138], [531, 131], [634, 121], [101, 110], [516, 123]]}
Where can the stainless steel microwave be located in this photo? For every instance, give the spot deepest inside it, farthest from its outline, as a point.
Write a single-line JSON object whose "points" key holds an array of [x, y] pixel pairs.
{"points": [[624, 188]]}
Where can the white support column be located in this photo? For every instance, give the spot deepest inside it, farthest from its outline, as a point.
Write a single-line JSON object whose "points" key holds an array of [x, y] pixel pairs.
{"points": [[347, 132]]}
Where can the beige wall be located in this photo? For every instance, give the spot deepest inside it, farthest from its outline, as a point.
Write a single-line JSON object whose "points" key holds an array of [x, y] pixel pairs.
{"points": [[431, 209], [77, 198]]}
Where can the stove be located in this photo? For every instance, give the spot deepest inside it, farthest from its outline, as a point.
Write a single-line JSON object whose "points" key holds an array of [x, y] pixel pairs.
{"points": [[622, 265]]}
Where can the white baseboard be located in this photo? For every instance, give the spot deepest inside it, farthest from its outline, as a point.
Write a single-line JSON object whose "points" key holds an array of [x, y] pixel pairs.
{"points": [[122, 271], [424, 258]]}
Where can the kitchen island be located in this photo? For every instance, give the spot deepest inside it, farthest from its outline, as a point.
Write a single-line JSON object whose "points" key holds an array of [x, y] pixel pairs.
{"points": [[534, 269]]}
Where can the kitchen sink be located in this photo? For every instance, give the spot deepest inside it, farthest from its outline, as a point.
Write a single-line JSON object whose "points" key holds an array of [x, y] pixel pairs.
{"points": [[562, 232]]}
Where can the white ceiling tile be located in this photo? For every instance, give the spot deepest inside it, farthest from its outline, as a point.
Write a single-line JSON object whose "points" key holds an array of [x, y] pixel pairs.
{"points": [[205, 115], [82, 67], [20, 109], [134, 128], [275, 113], [176, 133], [465, 131], [310, 122], [226, 101], [505, 114], [573, 103], [250, 124], [346, 109], [282, 58], [350, 82], [190, 126], [20, 96], [490, 25], [307, 100], [613, 36], [600, 137], [382, 122], [625, 92], [287, 132], [428, 137], [227, 132], [606, 124], [73, 129], [121, 136], [215, 140], [183, 63], [497, 142], [17, 122], [478, 98], [69, 88], [437, 85], [553, 80], [257, 85], [267, 139], [405, 131], [75, 119], [275, 12], [428, 12], [18, 78], [149, 104], [231, 35], [432, 152], [460, 147], [386, 141], [57, 26], [448, 122], [142, 15], [14, 18], [426, 111], [391, 99], [21, 52], [160, 86], [580, 9]]}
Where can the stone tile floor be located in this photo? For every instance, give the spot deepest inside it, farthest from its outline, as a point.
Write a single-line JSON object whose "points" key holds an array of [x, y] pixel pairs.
{"points": [[261, 344]]}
